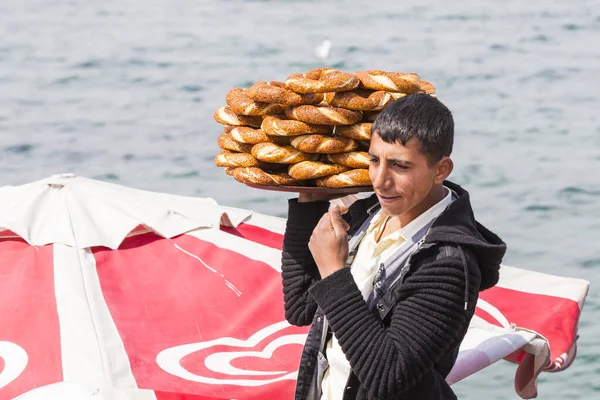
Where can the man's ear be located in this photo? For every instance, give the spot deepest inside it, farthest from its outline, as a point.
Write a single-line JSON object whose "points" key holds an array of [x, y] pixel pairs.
{"points": [[443, 169]]}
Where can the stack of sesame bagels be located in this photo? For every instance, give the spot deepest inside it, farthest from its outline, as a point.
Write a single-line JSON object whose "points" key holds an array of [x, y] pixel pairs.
{"points": [[311, 130]]}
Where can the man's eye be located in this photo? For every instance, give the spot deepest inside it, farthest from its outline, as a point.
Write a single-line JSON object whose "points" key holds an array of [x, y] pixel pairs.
{"points": [[399, 166], [373, 160]]}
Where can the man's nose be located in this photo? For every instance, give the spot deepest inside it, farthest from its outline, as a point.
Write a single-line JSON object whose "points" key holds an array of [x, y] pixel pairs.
{"points": [[381, 179]]}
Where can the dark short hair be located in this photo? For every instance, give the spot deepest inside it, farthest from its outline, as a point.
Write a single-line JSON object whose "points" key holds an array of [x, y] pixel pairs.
{"points": [[420, 116]]}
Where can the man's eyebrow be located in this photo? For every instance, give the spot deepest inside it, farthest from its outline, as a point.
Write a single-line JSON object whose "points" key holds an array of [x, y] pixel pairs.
{"points": [[396, 160], [399, 161]]}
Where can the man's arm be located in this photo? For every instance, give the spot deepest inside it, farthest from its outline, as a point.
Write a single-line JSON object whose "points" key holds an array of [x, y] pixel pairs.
{"points": [[427, 322], [298, 268]]}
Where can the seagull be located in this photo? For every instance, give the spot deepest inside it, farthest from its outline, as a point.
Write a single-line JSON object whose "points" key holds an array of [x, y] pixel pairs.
{"points": [[322, 50]]}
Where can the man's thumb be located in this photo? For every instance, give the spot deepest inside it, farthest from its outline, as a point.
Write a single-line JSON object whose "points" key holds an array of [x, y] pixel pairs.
{"points": [[337, 221]]}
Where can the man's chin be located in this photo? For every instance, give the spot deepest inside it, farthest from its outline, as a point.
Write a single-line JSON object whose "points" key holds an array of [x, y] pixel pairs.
{"points": [[391, 208]]}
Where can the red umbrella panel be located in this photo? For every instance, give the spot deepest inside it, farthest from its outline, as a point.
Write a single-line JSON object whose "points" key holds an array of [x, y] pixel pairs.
{"points": [[200, 316]]}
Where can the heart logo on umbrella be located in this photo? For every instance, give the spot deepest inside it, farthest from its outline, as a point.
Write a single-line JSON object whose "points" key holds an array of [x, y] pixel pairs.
{"points": [[15, 361], [220, 362]]}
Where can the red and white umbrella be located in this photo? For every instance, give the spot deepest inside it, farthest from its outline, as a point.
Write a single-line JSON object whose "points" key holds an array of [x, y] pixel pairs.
{"points": [[108, 292]]}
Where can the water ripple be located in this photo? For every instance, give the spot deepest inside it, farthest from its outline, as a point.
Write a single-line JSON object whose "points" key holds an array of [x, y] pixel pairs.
{"points": [[192, 88], [574, 192], [124, 91], [592, 263], [89, 64]]}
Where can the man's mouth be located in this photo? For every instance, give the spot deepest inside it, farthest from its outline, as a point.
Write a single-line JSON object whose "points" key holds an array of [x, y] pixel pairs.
{"points": [[387, 198]]}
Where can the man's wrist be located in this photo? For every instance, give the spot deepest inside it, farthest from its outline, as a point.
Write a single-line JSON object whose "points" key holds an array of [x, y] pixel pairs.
{"points": [[304, 197]]}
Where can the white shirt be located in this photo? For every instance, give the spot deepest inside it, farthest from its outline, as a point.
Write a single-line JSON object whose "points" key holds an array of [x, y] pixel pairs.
{"points": [[369, 256]]}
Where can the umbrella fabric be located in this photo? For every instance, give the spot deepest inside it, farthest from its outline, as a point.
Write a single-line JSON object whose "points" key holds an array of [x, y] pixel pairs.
{"points": [[547, 305], [198, 313], [83, 212]]}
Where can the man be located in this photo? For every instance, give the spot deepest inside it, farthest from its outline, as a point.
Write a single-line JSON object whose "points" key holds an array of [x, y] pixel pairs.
{"points": [[391, 286]]}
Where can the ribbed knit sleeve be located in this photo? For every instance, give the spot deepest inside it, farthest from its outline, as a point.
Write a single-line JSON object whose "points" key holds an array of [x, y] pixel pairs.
{"points": [[298, 268], [426, 322]]}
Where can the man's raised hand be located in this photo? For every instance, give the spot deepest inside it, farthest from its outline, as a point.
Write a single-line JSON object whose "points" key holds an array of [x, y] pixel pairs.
{"points": [[329, 242]]}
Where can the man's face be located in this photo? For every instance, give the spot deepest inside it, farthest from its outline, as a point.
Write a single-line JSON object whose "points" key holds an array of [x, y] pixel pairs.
{"points": [[401, 176]]}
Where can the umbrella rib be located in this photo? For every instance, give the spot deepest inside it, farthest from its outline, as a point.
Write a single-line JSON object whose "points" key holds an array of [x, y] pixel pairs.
{"points": [[229, 284], [85, 289]]}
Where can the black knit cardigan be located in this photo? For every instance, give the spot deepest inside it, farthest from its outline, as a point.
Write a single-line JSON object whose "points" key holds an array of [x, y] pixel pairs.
{"points": [[408, 354]]}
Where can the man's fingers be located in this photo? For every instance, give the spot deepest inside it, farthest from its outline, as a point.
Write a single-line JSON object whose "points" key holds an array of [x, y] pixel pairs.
{"points": [[342, 211], [323, 228], [343, 221], [337, 221], [324, 222]]}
